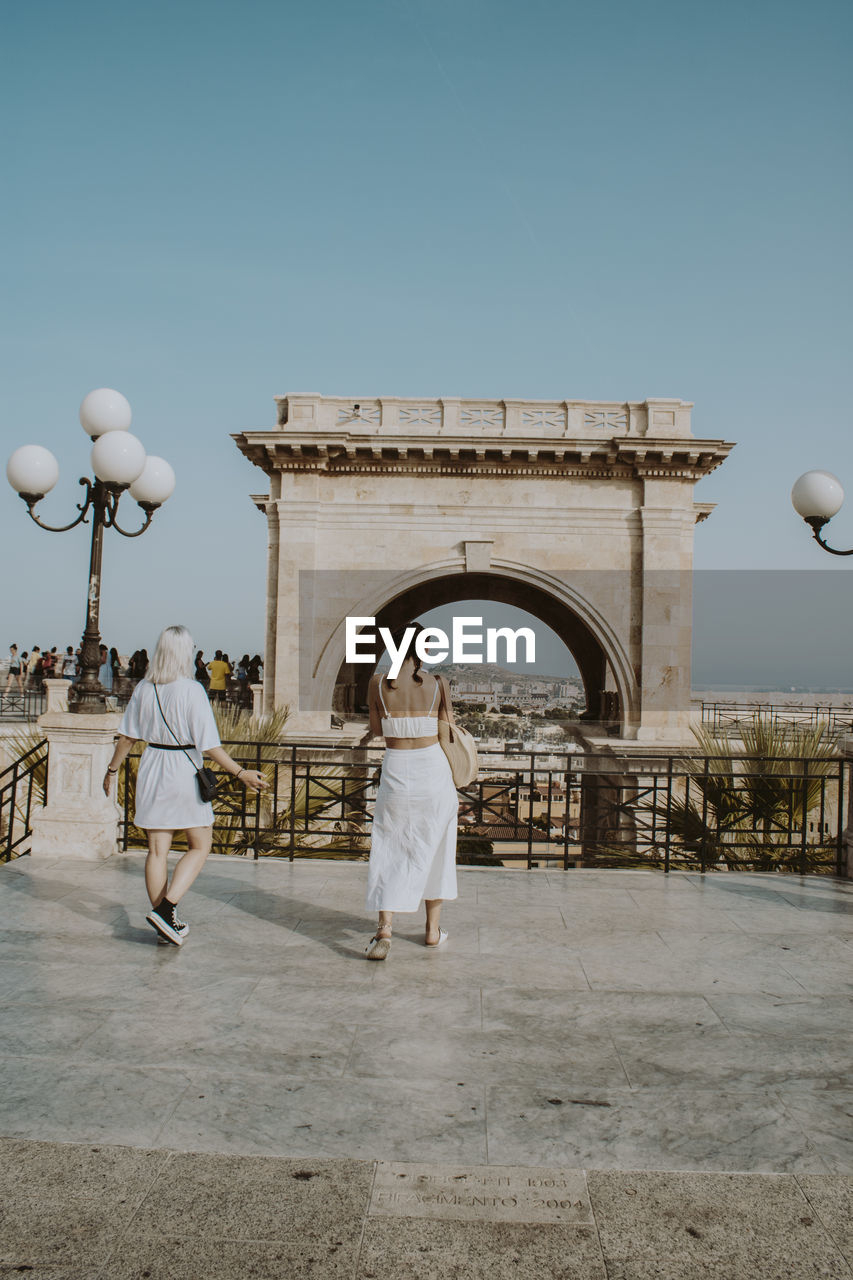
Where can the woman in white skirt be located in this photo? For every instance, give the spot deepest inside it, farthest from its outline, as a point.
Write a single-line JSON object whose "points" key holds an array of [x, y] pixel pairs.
{"points": [[413, 844], [170, 711]]}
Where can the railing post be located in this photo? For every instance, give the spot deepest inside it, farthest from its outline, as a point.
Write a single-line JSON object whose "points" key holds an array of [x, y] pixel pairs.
{"points": [[705, 813], [668, 814], [11, 832], [804, 807], [293, 802], [125, 808], [258, 797], [530, 813], [839, 826], [846, 851], [566, 808]]}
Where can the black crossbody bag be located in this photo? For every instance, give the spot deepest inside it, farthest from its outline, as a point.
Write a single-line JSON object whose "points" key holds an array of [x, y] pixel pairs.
{"points": [[208, 783]]}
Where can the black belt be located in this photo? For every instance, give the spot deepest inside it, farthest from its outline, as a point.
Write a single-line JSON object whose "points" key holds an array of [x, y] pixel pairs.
{"points": [[172, 746]]}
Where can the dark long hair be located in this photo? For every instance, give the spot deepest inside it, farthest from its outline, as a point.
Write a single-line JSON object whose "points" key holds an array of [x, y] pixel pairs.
{"points": [[397, 638]]}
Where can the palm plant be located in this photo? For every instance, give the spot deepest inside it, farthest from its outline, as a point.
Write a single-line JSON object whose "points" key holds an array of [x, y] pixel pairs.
{"points": [[318, 815], [297, 813], [750, 805]]}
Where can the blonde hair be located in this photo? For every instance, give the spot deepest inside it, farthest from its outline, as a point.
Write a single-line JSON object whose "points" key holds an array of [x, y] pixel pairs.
{"points": [[173, 656]]}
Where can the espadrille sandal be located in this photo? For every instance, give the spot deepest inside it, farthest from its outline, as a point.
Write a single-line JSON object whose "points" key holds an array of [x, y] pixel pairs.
{"points": [[377, 948]]}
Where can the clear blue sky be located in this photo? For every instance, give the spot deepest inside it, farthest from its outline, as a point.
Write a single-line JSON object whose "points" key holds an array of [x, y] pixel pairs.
{"points": [[207, 204]]}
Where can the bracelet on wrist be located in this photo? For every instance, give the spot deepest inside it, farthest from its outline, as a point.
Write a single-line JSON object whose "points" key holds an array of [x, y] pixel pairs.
{"points": [[109, 770], [237, 774]]}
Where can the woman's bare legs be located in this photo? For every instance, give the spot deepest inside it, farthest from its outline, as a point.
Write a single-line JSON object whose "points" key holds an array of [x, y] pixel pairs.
{"points": [[157, 864], [199, 840], [380, 944], [433, 911]]}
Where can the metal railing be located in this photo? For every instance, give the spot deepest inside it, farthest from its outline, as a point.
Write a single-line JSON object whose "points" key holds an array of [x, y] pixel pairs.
{"points": [[548, 809], [16, 705], [22, 784], [728, 717]]}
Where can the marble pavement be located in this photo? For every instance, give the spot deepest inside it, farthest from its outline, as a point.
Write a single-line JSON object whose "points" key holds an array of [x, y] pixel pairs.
{"points": [[668, 1041]]}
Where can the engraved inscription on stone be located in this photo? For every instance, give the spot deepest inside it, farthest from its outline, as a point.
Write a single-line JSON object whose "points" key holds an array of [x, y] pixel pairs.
{"points": [[76, 775], [480, 1193]]}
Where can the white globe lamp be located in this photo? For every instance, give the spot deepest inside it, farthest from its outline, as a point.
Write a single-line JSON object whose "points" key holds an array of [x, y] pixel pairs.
{"points": [[118, 459], [817, 495], [154, 484], [32, 471], [104, 410]]}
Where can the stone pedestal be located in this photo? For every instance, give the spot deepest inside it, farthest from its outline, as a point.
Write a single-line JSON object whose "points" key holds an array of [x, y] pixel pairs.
{"points": [[78, 820], [350, 736], [56, 692], [257, 700]]}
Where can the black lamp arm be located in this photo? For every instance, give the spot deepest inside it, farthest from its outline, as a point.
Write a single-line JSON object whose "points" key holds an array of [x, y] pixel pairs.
{"points": [[82, 507], [149, 516], [817, 523]]}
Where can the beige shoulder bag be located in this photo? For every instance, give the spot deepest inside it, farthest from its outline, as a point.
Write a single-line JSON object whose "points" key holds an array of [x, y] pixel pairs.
{"points": [[460, 749]]}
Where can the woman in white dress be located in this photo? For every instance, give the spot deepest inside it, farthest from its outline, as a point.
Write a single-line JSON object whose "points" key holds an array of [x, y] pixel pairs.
{"points": [[413, 843], [170, 711]]}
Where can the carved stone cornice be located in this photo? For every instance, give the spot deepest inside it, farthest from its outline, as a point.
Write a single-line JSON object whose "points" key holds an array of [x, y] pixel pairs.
{"points": [[344, 452]]}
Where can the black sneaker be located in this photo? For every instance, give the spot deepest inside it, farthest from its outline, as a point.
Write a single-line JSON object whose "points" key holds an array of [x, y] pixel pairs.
{"points": [[182, 928], [164, 920]]}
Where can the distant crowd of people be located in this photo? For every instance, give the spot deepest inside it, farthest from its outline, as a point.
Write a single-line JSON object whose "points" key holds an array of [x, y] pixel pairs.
{"points": [[220, 676], [223, 680], [29, 670]]}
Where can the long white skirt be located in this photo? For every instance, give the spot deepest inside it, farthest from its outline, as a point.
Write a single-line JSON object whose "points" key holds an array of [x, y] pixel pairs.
{"points": [[413, 847]]}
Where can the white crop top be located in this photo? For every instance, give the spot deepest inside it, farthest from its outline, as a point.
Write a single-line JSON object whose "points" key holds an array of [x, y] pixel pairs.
{"points": [[409, 726]]}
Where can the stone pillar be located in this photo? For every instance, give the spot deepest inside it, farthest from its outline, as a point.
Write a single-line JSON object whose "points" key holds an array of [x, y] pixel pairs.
{"points": [[257, 700], [273, 536], [299, 599], [78, 820], [666, 586]]}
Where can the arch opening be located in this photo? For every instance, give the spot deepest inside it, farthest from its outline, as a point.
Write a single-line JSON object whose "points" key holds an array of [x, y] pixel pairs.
{"points": [[600, 682]]}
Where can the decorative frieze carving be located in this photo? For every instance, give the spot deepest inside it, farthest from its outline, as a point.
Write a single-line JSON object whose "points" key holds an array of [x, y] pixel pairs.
{"points": [[420, 415], [481, 416], [369, 413], [544, 421], [529, 418], [606, 419]]}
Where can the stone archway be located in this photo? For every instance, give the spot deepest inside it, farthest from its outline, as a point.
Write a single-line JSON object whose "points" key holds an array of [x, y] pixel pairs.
{"points": [[586, 635], [580, 511]]}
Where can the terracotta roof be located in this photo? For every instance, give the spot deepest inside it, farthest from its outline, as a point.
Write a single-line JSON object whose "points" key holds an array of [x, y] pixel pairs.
{"points": [[506, 831]]}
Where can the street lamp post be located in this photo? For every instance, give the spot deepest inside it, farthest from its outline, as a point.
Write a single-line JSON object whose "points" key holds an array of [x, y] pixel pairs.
{"points": [[817, 496], [119, 462]]}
